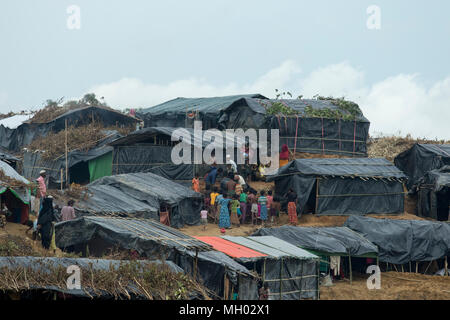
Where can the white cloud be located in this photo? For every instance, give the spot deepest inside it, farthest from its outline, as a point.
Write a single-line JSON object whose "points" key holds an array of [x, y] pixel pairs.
{"points": [[131, 92], [401, 103]]}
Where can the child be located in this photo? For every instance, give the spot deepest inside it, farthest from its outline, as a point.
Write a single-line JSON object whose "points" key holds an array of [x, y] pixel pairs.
{"points": [[254, 206], [164, 216], [275, 207], [206, 200], [262, 201], [269, 204], [234, 207], [212, 196], [204, 217], [196, 183], [243, 206]]}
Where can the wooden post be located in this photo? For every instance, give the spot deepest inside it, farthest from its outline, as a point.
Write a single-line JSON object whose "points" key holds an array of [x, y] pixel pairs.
{"points": [[417, 267], [67, 167], [281, 277], [317, 195], [195, 264], [350, 266], [446, 266], [62, 178]]}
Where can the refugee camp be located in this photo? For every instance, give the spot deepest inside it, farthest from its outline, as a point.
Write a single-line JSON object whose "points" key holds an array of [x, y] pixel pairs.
{"points": [[185, 166]]}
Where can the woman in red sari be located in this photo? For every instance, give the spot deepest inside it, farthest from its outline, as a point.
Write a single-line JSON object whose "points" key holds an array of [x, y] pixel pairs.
{"points": [[284, 155]]}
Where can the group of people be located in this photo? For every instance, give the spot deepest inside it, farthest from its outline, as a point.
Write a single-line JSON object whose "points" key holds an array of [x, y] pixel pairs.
{"points": [[235, 202], [47, 215]]}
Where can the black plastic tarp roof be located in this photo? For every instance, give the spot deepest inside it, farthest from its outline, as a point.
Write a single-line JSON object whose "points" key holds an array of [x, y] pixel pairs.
{"points": [[141, 195], [403, 241], [33, 162], [143, 235], [43, 264], [205, 105], [351, 167], [420, 159], [300, 106], [155, 241], [329, 240], [5, 155], [437, 179], [196, 140], [18, 138]]}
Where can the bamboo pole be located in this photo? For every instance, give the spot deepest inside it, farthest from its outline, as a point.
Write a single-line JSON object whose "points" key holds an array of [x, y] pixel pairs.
{"points": [[67, 167], [62, 178], [317, 195], [446, 266], [350, 266], [281, 277]]}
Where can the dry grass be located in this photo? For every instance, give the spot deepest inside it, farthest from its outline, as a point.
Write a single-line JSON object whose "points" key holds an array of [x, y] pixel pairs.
{"points": [[394, 286], [155, 281], [52, 112], [13, 183], [390, 146], [78, 138]]}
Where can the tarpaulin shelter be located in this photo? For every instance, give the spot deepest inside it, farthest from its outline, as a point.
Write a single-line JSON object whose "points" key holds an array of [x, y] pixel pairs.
{"points": [[150, 150], [45, 265], [7, 157], [421, 158], [330, 241], [84, 165], [181, 112], [291, 272], [14, 193], [157, 241], [302, 132], [141, 195], [404, 241], [353, 186], [325, 242], [16, 139], [434, 194]]}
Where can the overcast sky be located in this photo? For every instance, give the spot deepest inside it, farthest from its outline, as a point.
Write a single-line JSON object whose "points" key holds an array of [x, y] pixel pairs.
{"points": [[140, 53]]}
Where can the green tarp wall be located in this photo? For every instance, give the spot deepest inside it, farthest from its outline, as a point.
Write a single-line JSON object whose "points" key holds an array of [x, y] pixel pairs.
{"points": [[100, 167]]}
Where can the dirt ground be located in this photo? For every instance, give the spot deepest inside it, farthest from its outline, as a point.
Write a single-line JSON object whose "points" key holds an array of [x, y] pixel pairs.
{"points": [[19, 230], [394, 286]]}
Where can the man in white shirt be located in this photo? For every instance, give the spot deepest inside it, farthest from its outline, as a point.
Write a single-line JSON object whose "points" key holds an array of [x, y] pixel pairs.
{"points": [[232, 164]]}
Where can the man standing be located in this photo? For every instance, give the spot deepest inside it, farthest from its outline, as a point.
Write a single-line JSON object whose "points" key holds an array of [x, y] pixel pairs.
{"points": [[42, 187], [232, 164]]}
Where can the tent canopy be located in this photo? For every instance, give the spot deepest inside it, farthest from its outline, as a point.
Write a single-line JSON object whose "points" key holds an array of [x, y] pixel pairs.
{"points": [[141, 195], [329, 241], [403, 241], [420, 159], [204, 105], [352, 167], [437, 179], [99, 154], [21, 193]]}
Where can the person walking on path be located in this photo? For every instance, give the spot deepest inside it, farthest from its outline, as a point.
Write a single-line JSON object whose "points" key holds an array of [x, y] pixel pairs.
{"points": [[292, 206], [46, 217]]}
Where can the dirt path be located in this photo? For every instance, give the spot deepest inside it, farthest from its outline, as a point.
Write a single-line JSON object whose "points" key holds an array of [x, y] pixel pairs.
{"points": [[394, 286]]}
